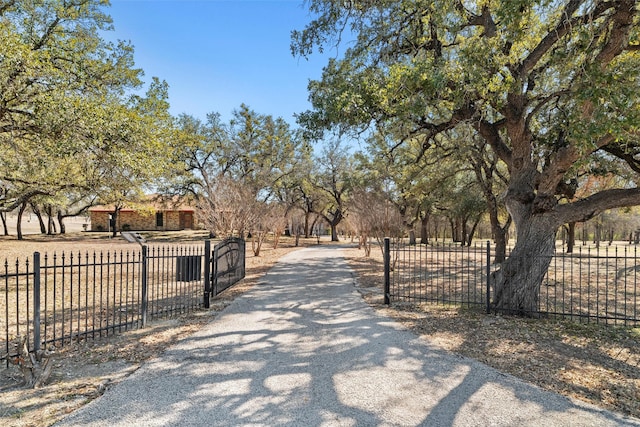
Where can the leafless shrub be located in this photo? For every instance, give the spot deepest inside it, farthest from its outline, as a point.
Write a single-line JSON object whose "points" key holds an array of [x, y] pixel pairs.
{"points": [[277, 221], [229, 208], [375, 217]]}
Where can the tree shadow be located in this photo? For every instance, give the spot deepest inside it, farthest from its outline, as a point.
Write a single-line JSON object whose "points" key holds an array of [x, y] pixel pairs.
{"points": [[301, 348]]}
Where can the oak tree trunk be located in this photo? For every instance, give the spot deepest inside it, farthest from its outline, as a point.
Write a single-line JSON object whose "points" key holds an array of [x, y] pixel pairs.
{"points": [[517, 282], [51, 226], [412, 237], [306, 225], [23, 207], [334, 233], [500, 235], [334, 220], [3, 217], [114, 222], [500, 240], [63, 228], [473, 231], [571, 237], [38, 214], [424, 230]]}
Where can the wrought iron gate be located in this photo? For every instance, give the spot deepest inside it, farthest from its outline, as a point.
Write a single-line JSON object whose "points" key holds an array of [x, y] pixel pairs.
{"points": [[227, 267]]}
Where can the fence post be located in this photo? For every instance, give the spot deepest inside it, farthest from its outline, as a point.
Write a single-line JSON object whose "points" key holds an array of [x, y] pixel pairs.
{"points": [[36, 301], [243, 251], [207, 274], [144, 285], [387, 270], [214, 274], [488, 277]]}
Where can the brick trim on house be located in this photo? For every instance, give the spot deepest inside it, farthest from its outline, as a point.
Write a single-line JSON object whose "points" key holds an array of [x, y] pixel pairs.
{"points": [[155, 219]]}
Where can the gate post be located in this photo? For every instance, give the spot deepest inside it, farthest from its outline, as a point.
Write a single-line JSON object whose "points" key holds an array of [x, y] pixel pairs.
{"points": [[207, 274], [144, 286], [214, 270], [387, 270], [488, 277], [36, 301]]}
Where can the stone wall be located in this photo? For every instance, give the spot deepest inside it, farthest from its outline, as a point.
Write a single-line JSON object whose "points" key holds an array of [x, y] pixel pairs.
{"points": [[136, 221]]}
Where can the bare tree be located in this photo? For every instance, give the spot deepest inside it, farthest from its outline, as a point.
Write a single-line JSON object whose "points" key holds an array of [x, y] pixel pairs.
{"points": [[277, 222], [229, 208], [376, 217]]}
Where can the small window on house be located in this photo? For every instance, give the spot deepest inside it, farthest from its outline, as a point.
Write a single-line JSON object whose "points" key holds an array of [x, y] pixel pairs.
{"points": [[159, 219]]}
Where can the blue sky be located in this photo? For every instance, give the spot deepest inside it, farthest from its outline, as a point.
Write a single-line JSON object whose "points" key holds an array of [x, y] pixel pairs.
{"points": [[217, 54]]}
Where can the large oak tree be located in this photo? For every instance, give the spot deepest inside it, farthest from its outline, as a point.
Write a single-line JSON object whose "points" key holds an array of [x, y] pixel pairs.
{"points": [[69, 126], [551, 86]]}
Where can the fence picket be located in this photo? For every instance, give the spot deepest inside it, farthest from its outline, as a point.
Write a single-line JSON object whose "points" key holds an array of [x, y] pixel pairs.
{"points": [[75, 297], [583, 286]]}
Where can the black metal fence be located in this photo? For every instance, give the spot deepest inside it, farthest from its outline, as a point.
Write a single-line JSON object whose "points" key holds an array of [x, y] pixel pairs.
{"points": [[55, 299], [592, 284]]}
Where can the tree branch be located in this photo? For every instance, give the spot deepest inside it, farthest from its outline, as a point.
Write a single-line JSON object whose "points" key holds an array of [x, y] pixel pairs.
{"points": [[628, 157], [561, 162], [9, 206], [619, 35], [491, 133], [585, 209], [562, 29], [544, 101], [47, 34]]}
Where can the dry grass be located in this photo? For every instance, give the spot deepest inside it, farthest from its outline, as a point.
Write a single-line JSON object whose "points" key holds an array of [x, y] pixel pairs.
{"points": [[595, 363], [84, 369]]}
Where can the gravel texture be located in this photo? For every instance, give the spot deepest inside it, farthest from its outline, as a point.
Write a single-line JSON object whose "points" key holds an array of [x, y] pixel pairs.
{"points": [[303, 348]]}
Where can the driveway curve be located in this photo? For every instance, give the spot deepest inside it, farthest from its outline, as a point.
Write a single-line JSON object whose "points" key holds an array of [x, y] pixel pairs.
{"points": [[302, 348]]}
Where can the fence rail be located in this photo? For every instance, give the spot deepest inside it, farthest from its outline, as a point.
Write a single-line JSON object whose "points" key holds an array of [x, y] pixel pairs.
{"points": [[600, 285], [55, 299]]}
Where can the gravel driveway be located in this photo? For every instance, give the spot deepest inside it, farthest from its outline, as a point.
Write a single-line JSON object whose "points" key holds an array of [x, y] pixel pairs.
{"points": [[303, 349]]}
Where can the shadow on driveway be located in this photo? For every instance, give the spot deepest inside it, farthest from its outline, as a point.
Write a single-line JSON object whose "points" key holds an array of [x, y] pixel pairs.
{"points": [[303, 349]]}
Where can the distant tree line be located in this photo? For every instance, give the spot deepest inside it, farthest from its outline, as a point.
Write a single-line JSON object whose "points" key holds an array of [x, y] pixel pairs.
{"points": [[514, 120]]}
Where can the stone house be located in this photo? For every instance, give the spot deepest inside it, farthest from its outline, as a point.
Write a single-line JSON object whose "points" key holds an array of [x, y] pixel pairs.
{"points": [[149, 217]]}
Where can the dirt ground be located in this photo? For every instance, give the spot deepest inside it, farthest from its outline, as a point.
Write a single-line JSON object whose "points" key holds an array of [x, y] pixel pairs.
{"points": [[593, 363], [83, 370]]}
